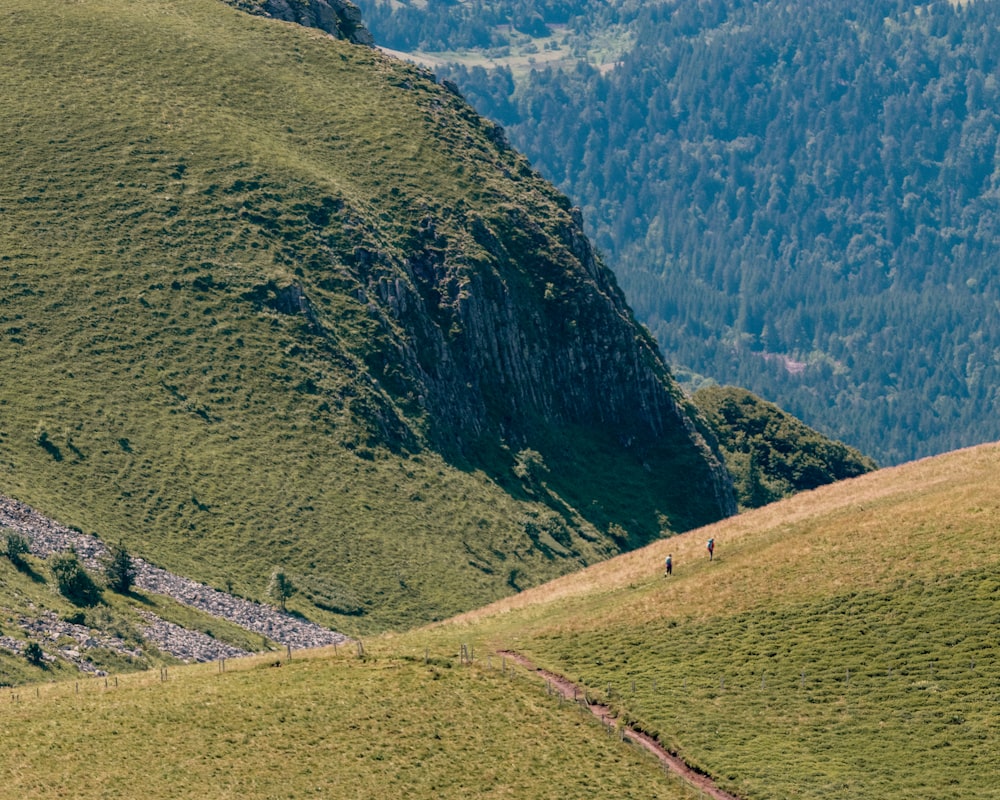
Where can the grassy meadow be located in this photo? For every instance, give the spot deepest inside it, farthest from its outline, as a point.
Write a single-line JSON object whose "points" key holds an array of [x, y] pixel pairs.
{"points": [[842, 644], [328, 725]]}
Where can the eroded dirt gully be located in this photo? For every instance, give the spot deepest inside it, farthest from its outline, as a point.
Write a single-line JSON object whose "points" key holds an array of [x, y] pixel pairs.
{"points": [[674, 763]]}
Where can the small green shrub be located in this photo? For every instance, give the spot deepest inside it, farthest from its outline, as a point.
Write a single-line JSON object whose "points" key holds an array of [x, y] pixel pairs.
{"points": [[74, 583], [280, 588], [16, 548], [34, 653], [119, 569]]}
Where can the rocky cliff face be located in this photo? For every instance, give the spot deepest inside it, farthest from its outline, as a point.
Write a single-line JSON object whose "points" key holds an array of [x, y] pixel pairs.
{"points": [[508, 326], [500, 329], [339, 18], [535, 338]]}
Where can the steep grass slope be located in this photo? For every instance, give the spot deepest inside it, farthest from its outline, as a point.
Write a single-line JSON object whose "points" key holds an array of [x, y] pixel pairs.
{"points": [[841, 644], [271, 298]]}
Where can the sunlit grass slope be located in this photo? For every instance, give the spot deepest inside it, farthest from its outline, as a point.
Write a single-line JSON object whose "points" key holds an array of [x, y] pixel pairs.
{"points": [[175, 178], [333, 727], [842, 644]]}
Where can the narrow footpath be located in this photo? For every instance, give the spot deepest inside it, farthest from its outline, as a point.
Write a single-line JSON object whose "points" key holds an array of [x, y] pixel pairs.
{"points": [[672, 762]]}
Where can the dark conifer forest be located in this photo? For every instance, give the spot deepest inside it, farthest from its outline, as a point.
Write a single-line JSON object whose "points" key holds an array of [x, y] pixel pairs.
{"points": [[801, 199]]}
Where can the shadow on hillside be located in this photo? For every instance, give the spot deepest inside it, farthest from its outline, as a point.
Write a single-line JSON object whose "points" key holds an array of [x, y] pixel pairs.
{"points": [[27, 570], [131, 594], [632, 493]]}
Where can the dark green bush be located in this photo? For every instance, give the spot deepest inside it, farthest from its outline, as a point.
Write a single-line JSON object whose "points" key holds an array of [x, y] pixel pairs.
{"points": [[34, 653], [119, 569], [73, 581], [16, 548]]}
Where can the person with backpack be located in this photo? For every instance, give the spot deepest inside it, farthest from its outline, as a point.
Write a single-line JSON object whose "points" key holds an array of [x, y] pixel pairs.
{"points": [[711, 549], [668, 566]]}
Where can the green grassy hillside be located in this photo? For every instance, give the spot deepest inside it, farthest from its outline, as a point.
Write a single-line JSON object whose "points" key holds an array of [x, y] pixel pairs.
{"points": [[335, 727], [271, 298], [841, 644]]}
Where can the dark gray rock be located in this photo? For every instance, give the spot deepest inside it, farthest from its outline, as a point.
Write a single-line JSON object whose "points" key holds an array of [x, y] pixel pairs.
{"points": [[47, 537], [339, 18]]}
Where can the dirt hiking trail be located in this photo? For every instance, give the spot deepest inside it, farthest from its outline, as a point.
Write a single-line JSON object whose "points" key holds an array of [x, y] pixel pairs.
{"points": [[672, 762]]}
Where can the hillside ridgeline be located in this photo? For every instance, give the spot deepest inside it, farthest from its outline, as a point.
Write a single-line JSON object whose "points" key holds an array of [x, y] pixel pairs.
{"points": [[851, 629], [800, 200], [277, 299]]}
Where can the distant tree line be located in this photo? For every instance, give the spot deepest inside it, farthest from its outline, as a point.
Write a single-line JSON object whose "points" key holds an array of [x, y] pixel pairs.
{"points": [[803, 199], [440, 25]]}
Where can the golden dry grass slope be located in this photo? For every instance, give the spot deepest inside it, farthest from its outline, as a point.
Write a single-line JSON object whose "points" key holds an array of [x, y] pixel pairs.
{"points": [[842, 644]]}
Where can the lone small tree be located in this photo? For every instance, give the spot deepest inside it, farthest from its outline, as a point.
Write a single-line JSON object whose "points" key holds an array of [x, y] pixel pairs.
{"points": [[16, 548], [73, 581], [280, 587], [34, 653], [119, 569]]}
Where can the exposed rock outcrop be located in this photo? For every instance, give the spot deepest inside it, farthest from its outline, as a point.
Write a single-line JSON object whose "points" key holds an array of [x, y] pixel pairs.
{"points": [[531, 334], [339, 18], [46, 537]]}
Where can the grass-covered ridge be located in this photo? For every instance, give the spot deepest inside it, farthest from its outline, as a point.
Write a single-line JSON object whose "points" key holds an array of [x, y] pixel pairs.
{"points": [[218, 238], [841, 641]]}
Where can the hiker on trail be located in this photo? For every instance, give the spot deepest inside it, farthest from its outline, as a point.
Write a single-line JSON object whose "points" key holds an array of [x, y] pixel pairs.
{"points": [[711, 549], [668, 567]]}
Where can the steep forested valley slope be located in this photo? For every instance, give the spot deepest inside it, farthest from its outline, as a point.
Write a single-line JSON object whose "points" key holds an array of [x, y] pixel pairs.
{"points": [[797, 198], [272, 298]]}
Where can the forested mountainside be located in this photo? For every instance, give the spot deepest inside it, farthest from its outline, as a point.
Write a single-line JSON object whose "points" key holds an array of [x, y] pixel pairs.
{"points": [[272, 298], [800, 199]]}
